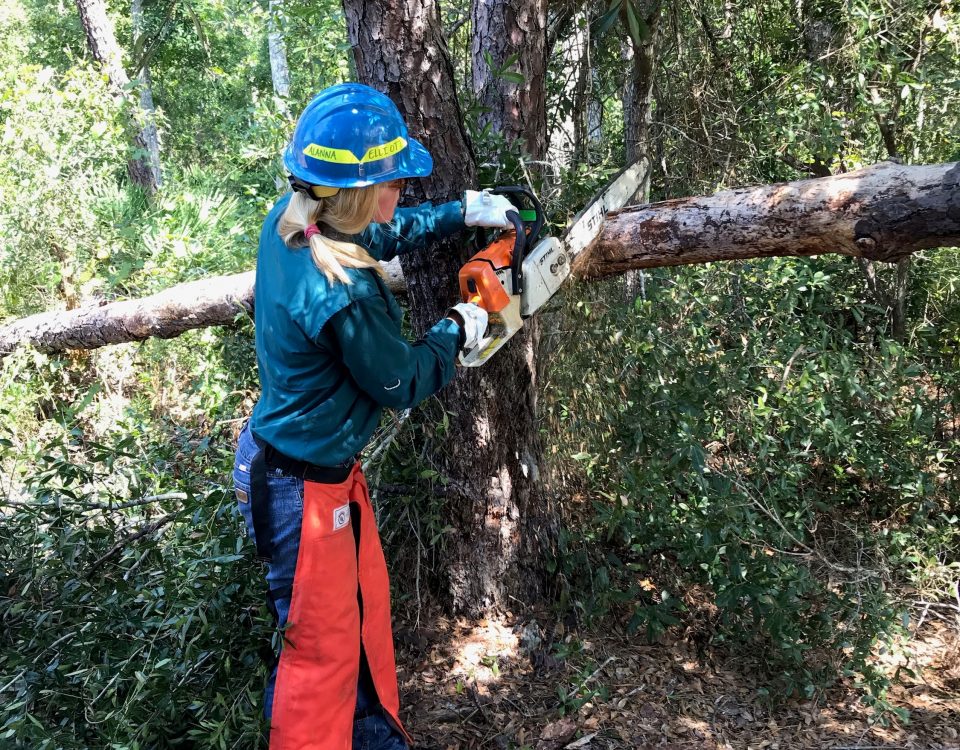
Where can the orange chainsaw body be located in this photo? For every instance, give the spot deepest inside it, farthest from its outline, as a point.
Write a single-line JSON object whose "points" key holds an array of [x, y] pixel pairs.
{"points": [[493, 278], [479, 281]]}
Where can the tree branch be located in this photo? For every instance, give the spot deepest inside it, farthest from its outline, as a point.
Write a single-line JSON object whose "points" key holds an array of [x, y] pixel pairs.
{"points": [[148, 529]]}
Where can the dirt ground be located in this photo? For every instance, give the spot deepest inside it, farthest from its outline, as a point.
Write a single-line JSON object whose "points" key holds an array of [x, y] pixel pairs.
{"points": [[514, 683]]}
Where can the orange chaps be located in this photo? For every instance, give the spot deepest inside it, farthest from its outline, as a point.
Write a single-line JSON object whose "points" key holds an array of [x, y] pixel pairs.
{"points": [[341, 600]]}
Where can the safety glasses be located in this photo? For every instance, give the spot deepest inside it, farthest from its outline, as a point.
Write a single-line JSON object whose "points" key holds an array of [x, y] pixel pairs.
{"points": [[397, 184]]}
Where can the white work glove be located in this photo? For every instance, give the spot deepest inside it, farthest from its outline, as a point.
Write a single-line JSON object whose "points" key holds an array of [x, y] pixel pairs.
{"points": [[484, 209], [474, 320]]}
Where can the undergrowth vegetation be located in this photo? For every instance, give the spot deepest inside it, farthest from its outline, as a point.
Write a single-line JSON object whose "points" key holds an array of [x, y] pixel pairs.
{"points": [[760, 463], [744, 455]]}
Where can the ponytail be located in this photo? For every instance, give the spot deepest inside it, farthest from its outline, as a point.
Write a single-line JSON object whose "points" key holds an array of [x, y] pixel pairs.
{"points": [[348, 211]]}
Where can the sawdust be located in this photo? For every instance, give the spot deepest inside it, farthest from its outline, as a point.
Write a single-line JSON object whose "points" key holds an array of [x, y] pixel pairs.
{"points": [[501, 683]]}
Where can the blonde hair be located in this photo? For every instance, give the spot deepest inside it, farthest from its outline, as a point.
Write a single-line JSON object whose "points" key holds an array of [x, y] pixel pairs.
{"points": [[348, 211]]}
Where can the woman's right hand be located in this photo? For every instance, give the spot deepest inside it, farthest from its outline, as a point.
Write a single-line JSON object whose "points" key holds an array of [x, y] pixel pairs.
{"points": [[472, 319]]}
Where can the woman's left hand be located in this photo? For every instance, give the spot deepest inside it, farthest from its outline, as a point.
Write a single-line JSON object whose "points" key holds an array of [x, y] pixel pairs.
{"points": [[473, 321]]}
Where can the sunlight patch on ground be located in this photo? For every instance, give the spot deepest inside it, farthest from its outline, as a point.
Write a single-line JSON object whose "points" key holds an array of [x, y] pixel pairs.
{"points": [[482, 651]]}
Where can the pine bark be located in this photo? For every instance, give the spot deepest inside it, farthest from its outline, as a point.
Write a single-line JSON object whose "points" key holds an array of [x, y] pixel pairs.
{"points": [[502, 30], [198, 304], [490, 454], [102, 42]]}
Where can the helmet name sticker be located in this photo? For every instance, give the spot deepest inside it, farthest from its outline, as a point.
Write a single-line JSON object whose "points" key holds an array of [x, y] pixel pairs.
{"points": [[376, 153], [336, 155], [345, 156]]}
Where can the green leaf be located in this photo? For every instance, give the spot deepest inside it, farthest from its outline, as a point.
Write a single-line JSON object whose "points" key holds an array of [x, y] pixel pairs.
{"points": [[92, 391], [639, 31], [609, 18], [511, 76]]}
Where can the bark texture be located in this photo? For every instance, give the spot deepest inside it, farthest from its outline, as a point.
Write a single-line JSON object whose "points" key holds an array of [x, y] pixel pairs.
{"points": [[502, 30], [198, 304], [102, 42], [884, 212], [637, 118], [490, 453]]}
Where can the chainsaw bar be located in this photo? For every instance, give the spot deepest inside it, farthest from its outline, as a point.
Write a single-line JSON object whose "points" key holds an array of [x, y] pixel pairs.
{"points": [[588, 223]]}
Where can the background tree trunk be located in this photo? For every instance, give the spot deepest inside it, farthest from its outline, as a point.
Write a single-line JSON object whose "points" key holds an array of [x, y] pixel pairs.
{"points": [[279, 70], [637, 117], [638, 96], [502, 30], [490, 454], [581, 93], [573, 54], [148, 111], [102, 42]]}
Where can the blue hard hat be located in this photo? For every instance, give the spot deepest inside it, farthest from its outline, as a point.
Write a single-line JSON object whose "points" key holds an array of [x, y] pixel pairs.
{"points": [[351, 135]]}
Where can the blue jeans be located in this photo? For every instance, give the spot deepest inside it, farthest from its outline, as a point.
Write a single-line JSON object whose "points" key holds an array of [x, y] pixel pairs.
{"points": [[371, 731]]}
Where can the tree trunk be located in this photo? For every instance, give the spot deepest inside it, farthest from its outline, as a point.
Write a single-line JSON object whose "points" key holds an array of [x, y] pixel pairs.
{"points": [[637, 117], [198, 304], [524, 24], [214, 301], [573, 54], [884, 212], [638, 97], [148, 111], [502, 30], [581, 98], [102, 42], [901, 293], [490, 455], [279, 70]]}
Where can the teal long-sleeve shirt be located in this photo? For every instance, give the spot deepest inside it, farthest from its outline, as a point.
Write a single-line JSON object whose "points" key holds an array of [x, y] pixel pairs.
{"points": [[331, 355]]}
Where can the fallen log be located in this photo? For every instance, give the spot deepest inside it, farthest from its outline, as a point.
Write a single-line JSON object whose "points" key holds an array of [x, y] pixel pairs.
{"points": [[884, 212], [197, 304], [213, 301]]}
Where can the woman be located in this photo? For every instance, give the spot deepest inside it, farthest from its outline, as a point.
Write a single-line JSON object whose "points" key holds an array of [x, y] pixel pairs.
{"points": [[331, 356]]}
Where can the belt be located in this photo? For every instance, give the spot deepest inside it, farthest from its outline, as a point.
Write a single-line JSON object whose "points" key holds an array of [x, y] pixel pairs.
{"points": [[293, 467], [268, 457]]}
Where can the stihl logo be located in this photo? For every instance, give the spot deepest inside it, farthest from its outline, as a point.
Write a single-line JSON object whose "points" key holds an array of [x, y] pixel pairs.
{"points": [[341, 517]]}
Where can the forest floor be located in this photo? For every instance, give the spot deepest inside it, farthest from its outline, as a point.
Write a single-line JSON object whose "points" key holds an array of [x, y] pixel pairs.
{"points": [[515, 683]]}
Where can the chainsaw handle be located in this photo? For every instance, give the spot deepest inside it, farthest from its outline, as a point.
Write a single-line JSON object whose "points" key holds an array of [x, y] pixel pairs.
{"points": [[533, 200], [519, 247]]}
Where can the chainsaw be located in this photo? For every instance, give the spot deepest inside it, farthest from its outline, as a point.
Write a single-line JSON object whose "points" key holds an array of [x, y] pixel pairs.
{"points": [[516, 274]]}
